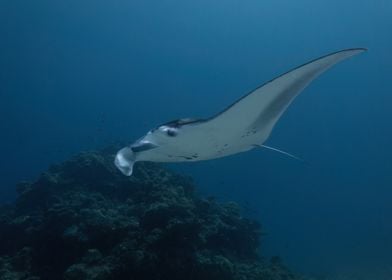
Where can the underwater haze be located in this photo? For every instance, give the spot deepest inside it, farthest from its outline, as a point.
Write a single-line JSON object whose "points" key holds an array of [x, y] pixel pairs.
{"points": [[83, 75]]}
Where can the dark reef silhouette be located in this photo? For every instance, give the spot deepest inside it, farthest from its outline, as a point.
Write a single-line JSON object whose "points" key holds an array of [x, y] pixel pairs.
{"points": [[83, 219]]}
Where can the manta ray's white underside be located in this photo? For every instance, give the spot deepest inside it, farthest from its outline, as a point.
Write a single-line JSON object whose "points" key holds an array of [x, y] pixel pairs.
{"points": [[242, 126]]}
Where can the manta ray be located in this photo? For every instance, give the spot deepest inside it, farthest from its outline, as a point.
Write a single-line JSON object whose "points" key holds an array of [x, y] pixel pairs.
{"points": [[242, 126]]}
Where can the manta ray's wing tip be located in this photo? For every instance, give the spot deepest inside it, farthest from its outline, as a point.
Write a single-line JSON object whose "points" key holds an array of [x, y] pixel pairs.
{"points": [[354, 51], [362, 49], [346, 53]]}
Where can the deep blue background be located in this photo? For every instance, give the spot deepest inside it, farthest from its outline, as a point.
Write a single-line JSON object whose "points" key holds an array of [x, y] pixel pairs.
{"points": [[77, 75]]}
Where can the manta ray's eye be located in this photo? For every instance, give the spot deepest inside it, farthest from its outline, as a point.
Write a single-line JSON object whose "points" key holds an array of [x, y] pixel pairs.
{"points": [[171, 132], [168, 130]]}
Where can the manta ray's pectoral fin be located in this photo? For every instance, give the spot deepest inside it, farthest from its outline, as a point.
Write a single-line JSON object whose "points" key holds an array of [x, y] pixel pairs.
{"points": [[261, 108], [280, 151]]}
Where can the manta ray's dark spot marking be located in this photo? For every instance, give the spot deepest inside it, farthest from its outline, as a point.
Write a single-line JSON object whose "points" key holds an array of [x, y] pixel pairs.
{"points": [[185, 157], [248, 133], [222, 149]]}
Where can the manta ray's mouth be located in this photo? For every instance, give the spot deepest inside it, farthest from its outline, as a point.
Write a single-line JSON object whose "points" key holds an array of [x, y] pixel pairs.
{"points": [[124, 161]]}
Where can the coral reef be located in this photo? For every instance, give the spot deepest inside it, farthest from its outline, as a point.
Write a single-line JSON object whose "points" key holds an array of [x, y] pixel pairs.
{"points": [[82, 219]]}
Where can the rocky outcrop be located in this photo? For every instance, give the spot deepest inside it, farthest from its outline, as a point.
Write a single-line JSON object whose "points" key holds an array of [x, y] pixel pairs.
{"points": [[83, 220]]}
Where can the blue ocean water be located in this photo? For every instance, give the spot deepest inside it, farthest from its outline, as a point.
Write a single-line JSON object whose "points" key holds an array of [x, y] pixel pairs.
{"points": [[80, 75]]}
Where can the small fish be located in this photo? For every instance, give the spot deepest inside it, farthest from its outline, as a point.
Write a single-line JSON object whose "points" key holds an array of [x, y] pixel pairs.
{"points": [[242, 126]]}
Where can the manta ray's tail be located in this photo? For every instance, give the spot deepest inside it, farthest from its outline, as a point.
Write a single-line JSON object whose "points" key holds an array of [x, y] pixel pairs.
{"points": [[125, 159], [280, 151]]}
